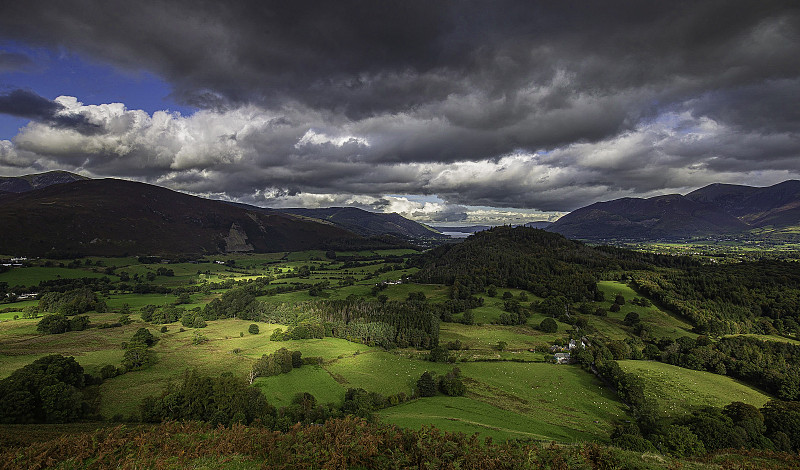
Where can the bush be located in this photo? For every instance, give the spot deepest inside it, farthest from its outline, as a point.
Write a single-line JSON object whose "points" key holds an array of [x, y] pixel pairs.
{"points": [[548, 325], [631, 319], [53, 324], [253, 329], [108, 371], [297, 359], [137, 356], [79, 323], [451, 384], [438, 354], [278, 335], [144, 336], [601, 312], [426, 386], [199, 338]]}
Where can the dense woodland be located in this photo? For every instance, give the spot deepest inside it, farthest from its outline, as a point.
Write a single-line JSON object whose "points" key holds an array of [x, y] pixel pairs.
{"points": [[749, 297]]}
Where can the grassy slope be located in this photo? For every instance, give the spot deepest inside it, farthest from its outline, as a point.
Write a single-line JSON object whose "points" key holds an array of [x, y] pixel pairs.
{"points": [[32, 276], [677, 390], [663, 324], [508, 400]]}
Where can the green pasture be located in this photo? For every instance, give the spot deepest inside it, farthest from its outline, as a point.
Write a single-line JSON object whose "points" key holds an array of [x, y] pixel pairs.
{"points": [[382, 372], [775, 338], [465, 415], [513, 400], [662, 323], [15, 308], [32, 276], [678, 390], [280, 389], [230, 348], [486, 337], [566, 397]]}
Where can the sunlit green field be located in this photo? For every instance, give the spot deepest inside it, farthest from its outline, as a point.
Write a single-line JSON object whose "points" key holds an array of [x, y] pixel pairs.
{"points": [[663, 324], [678, 390], [31, 276], [516, 395], [507, 400]]}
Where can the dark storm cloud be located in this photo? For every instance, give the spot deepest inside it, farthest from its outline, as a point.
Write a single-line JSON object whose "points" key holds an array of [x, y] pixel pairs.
{"points": [[615, 98], [26, 104], [363, 58], [13, 62]]}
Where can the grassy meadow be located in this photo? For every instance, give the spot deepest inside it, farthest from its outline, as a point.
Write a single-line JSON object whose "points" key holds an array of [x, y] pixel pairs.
{"points": [[513, 392], [677, 390]]}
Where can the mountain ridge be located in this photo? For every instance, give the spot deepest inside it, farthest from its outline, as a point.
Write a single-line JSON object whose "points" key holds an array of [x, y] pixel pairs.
{"points": [[112, 217], [25, 183], [713, 210]]}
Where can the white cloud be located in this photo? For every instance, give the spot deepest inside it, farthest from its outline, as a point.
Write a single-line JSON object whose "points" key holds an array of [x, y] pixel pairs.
{"points": [[294, 156]]}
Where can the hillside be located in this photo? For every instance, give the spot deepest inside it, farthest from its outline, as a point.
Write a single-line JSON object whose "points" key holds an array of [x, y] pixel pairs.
{"points": [[21, 184], [714, 210], [367, 223], [671, 216], [520, 257], [112, 217], [777, 205]]}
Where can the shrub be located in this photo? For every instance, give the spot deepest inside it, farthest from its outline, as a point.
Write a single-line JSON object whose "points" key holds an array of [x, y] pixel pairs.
{"points": [[137, 356], [79, 323], [253, 329], [451, 384], [631, 319], [143, 336], [198, 322], [199, 338], [53, 324], [426, 386], [548, 325]]}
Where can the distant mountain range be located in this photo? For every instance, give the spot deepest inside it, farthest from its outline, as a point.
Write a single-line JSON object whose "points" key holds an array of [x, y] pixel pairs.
{"points": [[21, 184], [113, 217], [717, 209], [61, 213]]}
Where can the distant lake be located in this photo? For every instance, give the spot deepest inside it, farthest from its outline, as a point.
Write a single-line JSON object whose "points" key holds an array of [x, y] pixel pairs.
{"points": [[457, 234]]}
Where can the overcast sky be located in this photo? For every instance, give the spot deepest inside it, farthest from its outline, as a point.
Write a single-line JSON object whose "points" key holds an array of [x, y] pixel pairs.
{"points": [[456, 111]]}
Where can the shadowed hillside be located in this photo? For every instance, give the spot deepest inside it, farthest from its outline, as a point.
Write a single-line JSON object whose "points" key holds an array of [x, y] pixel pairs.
{"points": [[115, 217]]}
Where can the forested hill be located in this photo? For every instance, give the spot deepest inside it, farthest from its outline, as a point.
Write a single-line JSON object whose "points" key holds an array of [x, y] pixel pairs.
{"points": [[747, 297], [541, 262]]}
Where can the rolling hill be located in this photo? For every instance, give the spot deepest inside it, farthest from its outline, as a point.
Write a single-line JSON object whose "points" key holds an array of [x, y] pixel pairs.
{"points": [[113, 217]]}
